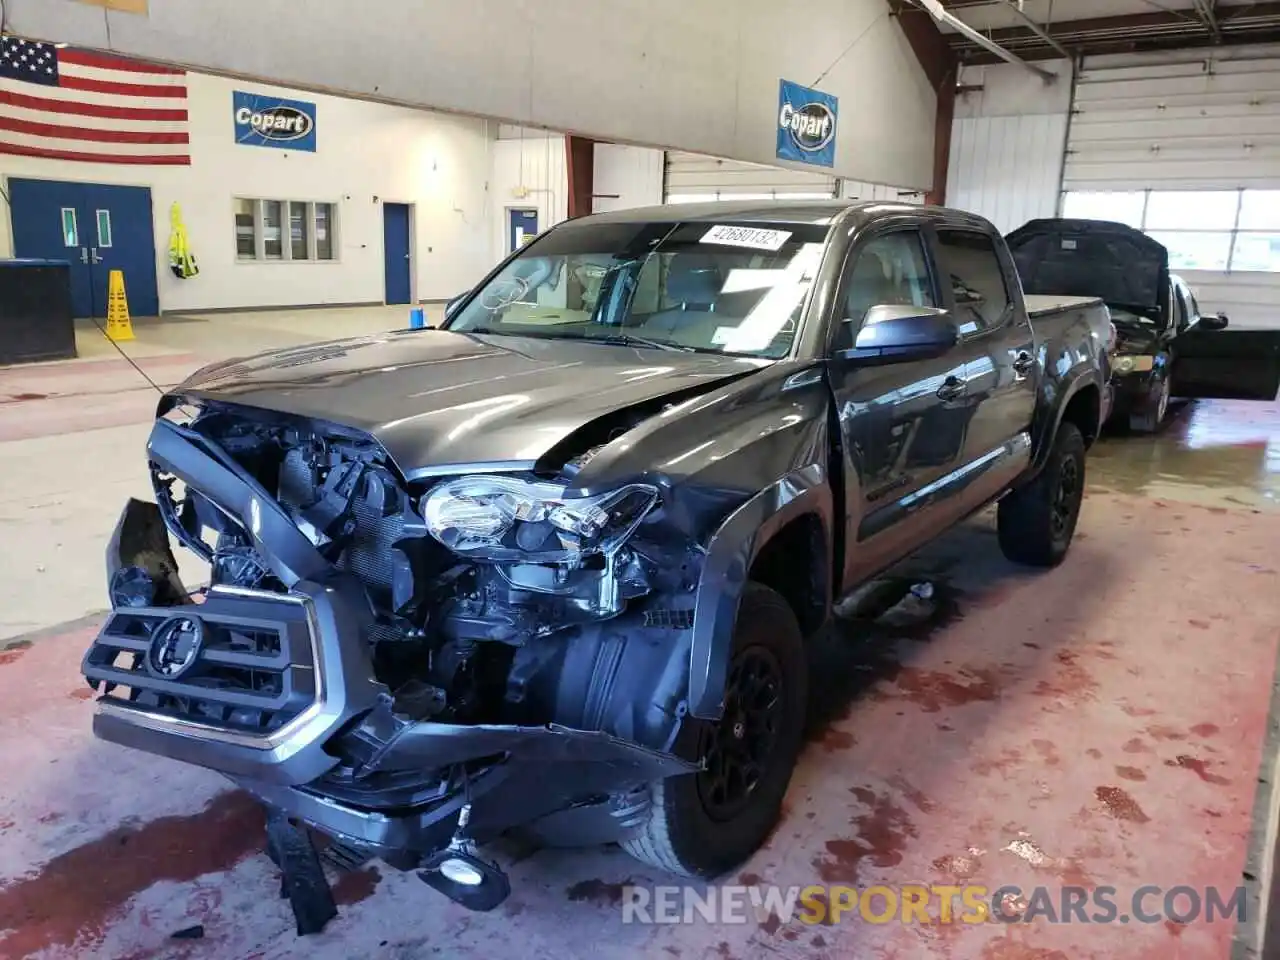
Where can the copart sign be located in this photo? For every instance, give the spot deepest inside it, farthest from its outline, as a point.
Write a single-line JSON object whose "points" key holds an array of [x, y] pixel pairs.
{"points": [[267, 121], [806, 125]]}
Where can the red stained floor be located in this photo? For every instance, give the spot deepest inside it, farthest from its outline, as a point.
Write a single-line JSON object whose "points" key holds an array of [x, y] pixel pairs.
{"points": [[1097, 725]]}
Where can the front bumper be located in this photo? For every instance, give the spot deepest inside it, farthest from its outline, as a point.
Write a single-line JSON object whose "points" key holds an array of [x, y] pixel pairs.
{"points": [[281, 685]]}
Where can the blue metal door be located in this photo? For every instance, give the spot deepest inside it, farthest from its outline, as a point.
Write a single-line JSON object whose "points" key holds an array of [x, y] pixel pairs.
{"points": [[97, 228], [50, 223], [522, 226], [395, 246], [122, 237]]}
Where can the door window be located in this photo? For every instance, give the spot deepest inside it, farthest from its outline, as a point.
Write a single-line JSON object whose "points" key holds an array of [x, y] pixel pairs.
{"points": [[103, 218], [889, 269], [970, 262], [1180, 318], [70, 230]]}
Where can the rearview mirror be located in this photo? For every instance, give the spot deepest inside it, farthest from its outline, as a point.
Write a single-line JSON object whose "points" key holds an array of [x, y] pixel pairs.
{"points": [[1217, 322], [894, 333]]}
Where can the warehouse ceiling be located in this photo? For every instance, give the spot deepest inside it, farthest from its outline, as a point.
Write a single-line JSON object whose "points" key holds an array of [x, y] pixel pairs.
{"points": [[1104, 26]]}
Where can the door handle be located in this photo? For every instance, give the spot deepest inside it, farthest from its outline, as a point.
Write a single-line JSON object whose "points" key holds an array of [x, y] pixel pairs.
{"points": [[96, 258], [1023, 363], [84, 254], [952, 388]]}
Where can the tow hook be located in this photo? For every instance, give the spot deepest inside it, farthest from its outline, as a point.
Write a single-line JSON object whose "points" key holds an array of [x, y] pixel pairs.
{"points": [[460, 874]]}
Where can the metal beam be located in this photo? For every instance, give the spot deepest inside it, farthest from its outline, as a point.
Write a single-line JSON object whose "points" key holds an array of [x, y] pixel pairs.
{"points": [[1205, 9], [939, 13], [1037, 28]]}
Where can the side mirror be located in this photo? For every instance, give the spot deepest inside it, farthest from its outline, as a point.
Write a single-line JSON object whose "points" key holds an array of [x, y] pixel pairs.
{"points": [[893, 333], [1216, 322]]}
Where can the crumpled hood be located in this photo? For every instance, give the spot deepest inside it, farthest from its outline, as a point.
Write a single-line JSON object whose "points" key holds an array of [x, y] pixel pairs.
{"points": [[1136, 339], [434, 398]]}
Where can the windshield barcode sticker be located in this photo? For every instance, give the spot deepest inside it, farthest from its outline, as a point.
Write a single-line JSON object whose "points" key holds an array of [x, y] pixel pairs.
{"points": [[753, 237]]}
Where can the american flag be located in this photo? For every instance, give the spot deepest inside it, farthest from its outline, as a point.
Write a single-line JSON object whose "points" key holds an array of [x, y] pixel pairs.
{"points": [[67, 104]]}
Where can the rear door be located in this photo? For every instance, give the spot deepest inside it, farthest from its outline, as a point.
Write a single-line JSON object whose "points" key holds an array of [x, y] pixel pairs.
{"points": [[999, 352], [1223, 364]]}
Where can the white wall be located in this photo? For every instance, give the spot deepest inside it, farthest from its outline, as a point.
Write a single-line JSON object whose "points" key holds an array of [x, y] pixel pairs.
{"points": [[691, 76], [365, 151], [1007, 143], [529, 172]]}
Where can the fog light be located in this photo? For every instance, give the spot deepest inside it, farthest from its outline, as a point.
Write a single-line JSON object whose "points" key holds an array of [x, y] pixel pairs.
{"points": [[459, 871]]}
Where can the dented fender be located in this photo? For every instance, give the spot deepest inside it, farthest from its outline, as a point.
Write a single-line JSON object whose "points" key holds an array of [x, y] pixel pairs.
{"points": [[725, 570]]}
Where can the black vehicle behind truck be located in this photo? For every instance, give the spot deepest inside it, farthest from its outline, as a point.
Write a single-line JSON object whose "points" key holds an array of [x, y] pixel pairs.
{"points": [[553, 567], [1165, 348]]}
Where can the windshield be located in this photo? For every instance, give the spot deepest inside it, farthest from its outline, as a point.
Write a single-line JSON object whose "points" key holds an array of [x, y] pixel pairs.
{"points": [[708, 287]]}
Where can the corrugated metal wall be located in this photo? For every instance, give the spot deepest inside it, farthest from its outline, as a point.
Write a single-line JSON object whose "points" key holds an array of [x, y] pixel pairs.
{"points": [[1006, 143]]}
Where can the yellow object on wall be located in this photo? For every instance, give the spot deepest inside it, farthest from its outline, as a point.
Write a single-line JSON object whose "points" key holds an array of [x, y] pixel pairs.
{"points": [[181, 260], [124, 6]]}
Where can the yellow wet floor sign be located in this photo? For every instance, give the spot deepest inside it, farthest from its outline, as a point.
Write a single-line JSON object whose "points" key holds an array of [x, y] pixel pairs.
{"points": [[118, 325]]}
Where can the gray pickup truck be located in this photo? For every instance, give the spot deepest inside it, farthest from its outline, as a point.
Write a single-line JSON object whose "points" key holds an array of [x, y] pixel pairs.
{"points": [[554, 567]]}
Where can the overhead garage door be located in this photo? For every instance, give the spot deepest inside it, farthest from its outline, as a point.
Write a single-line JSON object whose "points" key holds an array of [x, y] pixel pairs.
{"points": [[1187, 147], [691, 177]]}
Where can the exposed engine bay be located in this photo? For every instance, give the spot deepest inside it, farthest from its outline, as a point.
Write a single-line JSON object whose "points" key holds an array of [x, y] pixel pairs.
{"points": [[464, 574]]}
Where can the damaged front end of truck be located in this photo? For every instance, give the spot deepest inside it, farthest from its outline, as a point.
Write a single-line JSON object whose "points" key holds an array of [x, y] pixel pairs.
{"points": [[408, 667]]}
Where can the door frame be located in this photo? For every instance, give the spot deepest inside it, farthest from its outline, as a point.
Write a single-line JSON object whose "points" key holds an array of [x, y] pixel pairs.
{"points": [[507, 210], [413, 245]]}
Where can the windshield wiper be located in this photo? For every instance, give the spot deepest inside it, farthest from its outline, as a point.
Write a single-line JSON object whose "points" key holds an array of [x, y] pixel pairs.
{"points": [[631, 340]]}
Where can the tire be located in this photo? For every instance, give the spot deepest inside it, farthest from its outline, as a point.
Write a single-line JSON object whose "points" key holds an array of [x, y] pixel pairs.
{"points": [[688, 833], [1037, 521], [1154, 411]]}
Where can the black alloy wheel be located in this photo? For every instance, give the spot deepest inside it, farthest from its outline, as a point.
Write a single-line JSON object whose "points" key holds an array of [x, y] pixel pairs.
{"points": [[739, 748]]}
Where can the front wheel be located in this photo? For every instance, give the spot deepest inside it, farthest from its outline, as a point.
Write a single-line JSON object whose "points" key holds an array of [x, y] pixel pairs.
{"points": [[706, 823], [1037, 521], [1154, 411]]}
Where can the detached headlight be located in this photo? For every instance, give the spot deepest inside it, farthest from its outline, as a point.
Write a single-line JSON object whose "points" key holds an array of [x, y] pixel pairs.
{"points": [[502, 518], [1124, 365]]}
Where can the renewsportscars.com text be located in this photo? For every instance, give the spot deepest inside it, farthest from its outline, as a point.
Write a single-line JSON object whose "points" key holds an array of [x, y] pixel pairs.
{"points": [[928, 904]]}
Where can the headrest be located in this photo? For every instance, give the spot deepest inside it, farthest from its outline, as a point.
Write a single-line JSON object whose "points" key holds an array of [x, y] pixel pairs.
{"points": [[693, 279]]}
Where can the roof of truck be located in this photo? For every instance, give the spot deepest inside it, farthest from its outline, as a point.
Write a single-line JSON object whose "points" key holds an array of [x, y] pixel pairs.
{"points": [[764, 211]]}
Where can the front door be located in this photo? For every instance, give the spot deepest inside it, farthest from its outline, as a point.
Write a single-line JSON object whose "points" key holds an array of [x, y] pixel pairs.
{"points": [[522, 226], [1211, 361], [904, 424], [1227, 364], [395, 245], [97, 228]]}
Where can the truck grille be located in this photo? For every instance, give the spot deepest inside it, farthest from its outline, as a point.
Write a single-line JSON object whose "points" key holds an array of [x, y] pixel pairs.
{"points": [[242, 660]]}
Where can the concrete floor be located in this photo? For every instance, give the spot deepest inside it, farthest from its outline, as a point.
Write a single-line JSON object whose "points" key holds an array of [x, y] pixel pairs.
{"points": [[1098, 725]]}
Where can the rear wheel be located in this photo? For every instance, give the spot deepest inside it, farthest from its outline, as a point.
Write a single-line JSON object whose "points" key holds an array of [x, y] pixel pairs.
{"points": [[1037, 521], [706, 823]]}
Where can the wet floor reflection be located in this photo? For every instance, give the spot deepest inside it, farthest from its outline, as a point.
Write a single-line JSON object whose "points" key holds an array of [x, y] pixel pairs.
{"points": [[1210, 451]]}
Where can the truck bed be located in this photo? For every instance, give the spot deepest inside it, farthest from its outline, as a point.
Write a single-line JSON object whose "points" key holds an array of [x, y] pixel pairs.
{"points": [[1043, 304]]}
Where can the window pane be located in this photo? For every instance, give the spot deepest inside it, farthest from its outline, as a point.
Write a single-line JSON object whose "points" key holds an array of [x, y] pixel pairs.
{"points": [[324, 231], [888, 270], [297, 231], [104, 227], [1118, 207], [970, 265], [70, 232], [1257, 251], [246, 248], [1195, 250], [1260, 210], [1192, 210], [271, 230]]}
